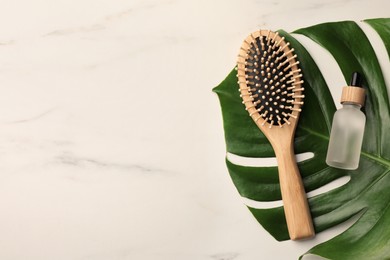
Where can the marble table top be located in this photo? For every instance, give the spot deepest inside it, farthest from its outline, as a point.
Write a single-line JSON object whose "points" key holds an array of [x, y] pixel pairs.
{"points": [[111, 141]]}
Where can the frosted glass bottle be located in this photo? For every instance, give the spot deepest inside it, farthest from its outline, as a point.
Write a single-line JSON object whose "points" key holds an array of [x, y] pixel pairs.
{"points": [[346, 137], [347, 132]]}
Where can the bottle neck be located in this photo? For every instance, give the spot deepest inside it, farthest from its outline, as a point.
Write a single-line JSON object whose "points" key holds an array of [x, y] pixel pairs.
{"points": [[351, 105]]}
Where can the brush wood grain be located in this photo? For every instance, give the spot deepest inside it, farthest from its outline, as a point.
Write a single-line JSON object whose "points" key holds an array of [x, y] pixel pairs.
{"points": [[296, 208], [354, 95], [297, 213]]}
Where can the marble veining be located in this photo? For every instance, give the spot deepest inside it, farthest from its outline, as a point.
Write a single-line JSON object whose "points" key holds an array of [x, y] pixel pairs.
{"points": [[32, 118], [105, 21], [83, 29], [225, 256], [70, 159]]}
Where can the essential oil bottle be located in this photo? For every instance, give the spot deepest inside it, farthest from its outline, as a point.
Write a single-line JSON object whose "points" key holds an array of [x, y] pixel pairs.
{"points": [[347, 132]]}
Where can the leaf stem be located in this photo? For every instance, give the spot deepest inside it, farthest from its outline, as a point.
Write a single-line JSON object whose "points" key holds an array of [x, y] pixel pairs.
{"points": [[376, 158], [315, 133]]}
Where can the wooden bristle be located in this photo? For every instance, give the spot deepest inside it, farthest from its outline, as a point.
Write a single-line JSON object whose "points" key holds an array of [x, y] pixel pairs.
{"points": [[270, 79]]}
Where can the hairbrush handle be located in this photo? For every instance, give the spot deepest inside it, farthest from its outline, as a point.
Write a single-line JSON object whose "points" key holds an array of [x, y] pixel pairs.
{"points": [[296, 208]]}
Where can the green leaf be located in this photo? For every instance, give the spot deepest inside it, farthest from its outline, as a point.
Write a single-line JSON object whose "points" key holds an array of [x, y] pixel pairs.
{"points": [[382, 26], [367, 192]]}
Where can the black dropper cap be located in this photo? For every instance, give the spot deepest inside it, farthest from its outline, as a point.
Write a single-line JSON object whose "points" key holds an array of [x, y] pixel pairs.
{"points": [[356, 79]]}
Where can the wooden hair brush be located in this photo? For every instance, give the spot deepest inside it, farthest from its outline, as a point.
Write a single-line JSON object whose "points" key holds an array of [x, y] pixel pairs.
{"points": [[271, 88]]}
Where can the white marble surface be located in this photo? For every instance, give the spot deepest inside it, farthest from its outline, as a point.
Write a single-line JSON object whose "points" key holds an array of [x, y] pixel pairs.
{"points": [[111, 141]]}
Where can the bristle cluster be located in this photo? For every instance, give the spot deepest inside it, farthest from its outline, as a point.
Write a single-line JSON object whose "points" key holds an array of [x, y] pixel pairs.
{"points": [[270, 79]]}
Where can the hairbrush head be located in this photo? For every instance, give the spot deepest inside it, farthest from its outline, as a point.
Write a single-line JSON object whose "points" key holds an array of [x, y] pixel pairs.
{"points": [[270, 79]]}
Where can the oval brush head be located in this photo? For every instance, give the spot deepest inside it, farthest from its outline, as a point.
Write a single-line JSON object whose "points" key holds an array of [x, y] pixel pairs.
{"points": [[271, 88], [270, 80]]}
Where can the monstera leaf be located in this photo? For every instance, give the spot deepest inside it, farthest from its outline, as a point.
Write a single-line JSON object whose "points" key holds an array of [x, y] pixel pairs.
{"points": [[368, 191]]}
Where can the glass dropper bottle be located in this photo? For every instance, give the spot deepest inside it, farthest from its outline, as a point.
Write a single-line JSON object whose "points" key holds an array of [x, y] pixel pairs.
{"points": [[347, 132]]}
